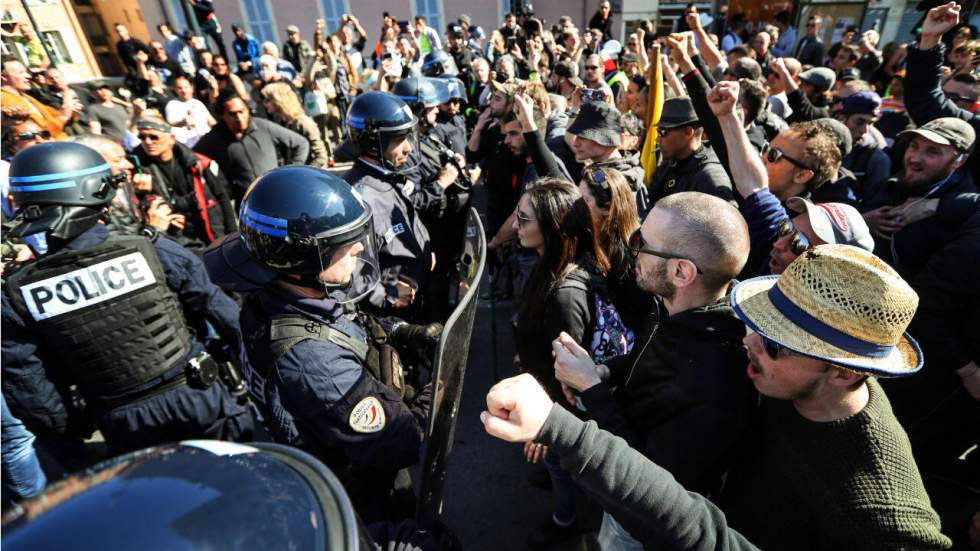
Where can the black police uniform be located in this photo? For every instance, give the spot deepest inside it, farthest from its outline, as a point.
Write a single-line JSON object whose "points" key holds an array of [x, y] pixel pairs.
{"points": [[109, 314], [325, 377], [403, 242], [404, 246], [702, 171]]}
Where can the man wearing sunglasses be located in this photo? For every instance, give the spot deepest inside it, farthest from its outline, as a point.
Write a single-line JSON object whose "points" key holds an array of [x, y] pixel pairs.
{"points": [[689, 164], [191, 183], [679, 397], [777, 239], [829, 467]]}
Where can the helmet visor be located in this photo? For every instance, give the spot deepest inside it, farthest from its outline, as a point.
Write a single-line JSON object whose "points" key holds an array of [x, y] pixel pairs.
{"points": [[396, 149], [350, 271]]}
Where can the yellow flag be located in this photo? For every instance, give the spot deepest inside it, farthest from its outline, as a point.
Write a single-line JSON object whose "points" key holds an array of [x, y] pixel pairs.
{"points": [[655, 106]]}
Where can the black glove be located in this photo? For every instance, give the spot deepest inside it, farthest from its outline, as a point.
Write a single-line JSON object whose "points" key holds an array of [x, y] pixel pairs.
{"points": [[410, 335]]}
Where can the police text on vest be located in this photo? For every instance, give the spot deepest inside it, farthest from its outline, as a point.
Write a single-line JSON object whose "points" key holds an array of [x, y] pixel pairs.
{"points": [[82, 288]]}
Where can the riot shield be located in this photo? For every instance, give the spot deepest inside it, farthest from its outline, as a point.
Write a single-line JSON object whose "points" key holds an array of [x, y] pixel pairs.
{"points": [[450, 366]]}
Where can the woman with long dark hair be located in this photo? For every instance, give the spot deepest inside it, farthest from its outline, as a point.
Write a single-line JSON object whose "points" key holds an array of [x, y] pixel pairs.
{"points": [[613, 205], [554, 220]]}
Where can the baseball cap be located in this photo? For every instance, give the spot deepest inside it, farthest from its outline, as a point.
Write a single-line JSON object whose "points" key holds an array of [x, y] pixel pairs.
{"points": [[849, 73], [835, 223], [506, 88], [290, 29], [946, 131], [599, 122], [821, 78], [861, 103]]}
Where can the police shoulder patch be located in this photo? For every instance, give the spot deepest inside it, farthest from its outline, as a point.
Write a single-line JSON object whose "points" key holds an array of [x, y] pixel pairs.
{"points": [[367, 416]]}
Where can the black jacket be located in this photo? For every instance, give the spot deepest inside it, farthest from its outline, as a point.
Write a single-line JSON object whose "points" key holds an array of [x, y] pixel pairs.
{"points": [[702, 171], [681, 396], [265, 146], [910, 248], [569, 309], [924, 96], [183, 196], [633, 171]]}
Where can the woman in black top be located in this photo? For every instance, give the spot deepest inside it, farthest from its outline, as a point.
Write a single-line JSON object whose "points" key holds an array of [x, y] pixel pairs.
{"points": [[554, 220], [613, 205]]}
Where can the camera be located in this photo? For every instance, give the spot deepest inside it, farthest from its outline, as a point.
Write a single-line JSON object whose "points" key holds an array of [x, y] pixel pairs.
{"points": [[593, 96]]}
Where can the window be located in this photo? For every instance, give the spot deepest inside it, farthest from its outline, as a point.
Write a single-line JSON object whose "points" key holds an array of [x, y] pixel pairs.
{"points": [[332, 10], [431, 10], [56, 46], [258, 17]]}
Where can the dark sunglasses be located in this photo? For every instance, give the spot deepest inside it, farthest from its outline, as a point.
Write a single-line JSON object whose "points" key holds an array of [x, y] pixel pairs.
{"points": [[150, 137], [774, 154], [637, 245], [33, 135], [523, 219], [591, 67], [799, 243], [772, 347], [956, 98]]}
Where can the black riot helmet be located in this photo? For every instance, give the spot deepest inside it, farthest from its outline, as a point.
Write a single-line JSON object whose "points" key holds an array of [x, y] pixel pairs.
{"points": [[303, 225], [60, 188], [418, 92], [437, 63], [376, 120], [197, 494]]}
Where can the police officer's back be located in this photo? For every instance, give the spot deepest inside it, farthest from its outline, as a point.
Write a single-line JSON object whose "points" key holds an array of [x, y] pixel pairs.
{"points": [[112, 315], [323, 375]]}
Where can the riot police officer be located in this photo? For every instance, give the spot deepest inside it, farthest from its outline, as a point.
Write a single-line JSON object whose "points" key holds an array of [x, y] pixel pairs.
{"points": [[386, 174], [121, 319], [326, 378], [450, 123], [438, 63]]}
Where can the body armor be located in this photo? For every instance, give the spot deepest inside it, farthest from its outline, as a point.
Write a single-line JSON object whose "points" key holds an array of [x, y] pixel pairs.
{"points": [[106, 313]]}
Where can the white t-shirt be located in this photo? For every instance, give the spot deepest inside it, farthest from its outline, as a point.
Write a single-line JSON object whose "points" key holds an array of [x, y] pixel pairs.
{"points": [[189, 120]]}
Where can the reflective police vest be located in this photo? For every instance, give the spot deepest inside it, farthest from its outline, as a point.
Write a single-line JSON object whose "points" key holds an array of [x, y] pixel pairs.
{"points": [[105, 313]]}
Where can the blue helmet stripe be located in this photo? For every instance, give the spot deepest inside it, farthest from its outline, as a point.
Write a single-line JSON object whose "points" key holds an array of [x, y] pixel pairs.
{"points": [[59, 175], [44, 187], [265, 219], [263, 228]]}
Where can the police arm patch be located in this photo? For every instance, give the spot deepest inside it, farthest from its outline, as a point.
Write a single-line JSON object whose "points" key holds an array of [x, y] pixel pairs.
{"points": [[367, 416]]}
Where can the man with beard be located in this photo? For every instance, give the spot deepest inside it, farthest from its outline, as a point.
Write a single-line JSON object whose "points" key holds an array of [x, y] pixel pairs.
{"points": [[904, 213], [681, 398]]}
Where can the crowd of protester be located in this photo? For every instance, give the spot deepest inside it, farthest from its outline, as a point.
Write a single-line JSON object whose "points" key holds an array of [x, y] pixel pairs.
{"points": [[630, 186]]}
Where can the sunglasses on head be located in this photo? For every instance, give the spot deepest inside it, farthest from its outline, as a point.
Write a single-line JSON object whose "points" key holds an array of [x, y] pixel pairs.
{"points": [[637, 245], [33, 135], [774, 154], [799, 243]]}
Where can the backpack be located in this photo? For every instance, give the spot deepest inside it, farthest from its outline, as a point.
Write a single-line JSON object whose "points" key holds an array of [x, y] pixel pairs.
{"points": [[610, 336]]}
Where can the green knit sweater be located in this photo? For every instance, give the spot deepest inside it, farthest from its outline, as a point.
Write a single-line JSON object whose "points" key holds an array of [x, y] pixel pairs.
{"points": [[846, 484]]}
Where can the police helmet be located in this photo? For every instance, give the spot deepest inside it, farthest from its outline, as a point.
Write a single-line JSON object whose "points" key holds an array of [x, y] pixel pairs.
{"points": [[418, 92], [374, 119], [196, 494], [60, 188], [300, 224], [437, 63], [449, 88]]}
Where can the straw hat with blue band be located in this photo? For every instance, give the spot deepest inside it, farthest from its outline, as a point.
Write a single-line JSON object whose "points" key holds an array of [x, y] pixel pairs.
{"points": [[839, 304]]}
